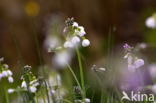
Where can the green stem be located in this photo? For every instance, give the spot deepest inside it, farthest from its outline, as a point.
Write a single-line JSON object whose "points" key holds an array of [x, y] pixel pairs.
{"points": [[81, 72], [6, 95], [71, 70]]}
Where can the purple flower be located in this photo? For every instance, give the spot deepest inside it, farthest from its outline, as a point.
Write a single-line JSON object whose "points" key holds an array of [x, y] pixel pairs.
{"points": [[126, 46], [138, 63]]}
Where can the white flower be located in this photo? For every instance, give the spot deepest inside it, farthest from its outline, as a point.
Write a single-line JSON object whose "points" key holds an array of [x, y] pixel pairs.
{"points": [[10, 79], [5, 73], [32, 89], [151, 22], [11, 91], [52, 92], [75, 40], [24, 85], [87, 100], [85, 43], [75, 24], [80, 32], [51, 42], [9, 72], [152, 70], [68, 44], [154, 88], [62, 58], [138, 63], [34, 83]]}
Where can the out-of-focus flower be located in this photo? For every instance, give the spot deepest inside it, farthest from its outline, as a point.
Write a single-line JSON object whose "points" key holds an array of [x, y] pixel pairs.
{"points": [[9, 72], [142, 45], [75, 40], [68, 44], [11, 90], [133, 61], [32, 8], [85, 43], [10, 79], [151, 22], [62, 58], [51, 42], [33, 89], [24, 85], [5, 72], [87, 100], [138, 63], [152, 70], [153, 88]]}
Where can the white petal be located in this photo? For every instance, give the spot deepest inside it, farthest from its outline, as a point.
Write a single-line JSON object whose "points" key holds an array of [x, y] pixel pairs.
{"points": [[9, 72], [32, 89], [10, 79], [11, 91], [85, 43], [24, 85], [68, 44], [5, 73], [151, 22], [75, 40], [75, 24]]}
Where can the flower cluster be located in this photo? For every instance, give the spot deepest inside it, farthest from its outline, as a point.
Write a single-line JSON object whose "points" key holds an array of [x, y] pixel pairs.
{"points": [[151, 21], [76, 34], [133, 61], [29, 81], [5, 72]]}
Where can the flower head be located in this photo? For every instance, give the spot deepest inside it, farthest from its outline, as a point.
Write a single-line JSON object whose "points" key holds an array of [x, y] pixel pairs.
{"points": [[138, 63], [75, 40], [151, 22], [87, 100], [10, 79], [11, 90], [85, 43]]}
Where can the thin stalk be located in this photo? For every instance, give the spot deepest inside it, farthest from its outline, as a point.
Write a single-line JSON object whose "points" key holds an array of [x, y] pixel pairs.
{"points": [[81, 71], [71, 70], [36, 99], [47, 91], [6, 95], [42, 92]]}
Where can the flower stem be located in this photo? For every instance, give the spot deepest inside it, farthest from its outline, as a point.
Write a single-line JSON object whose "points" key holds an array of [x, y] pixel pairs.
{"points": [[81, 72], [71, 70], [6, 95]]}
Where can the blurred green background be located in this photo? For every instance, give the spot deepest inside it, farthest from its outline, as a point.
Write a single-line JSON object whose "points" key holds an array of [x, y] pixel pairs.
{"points": [[24, 23]]}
